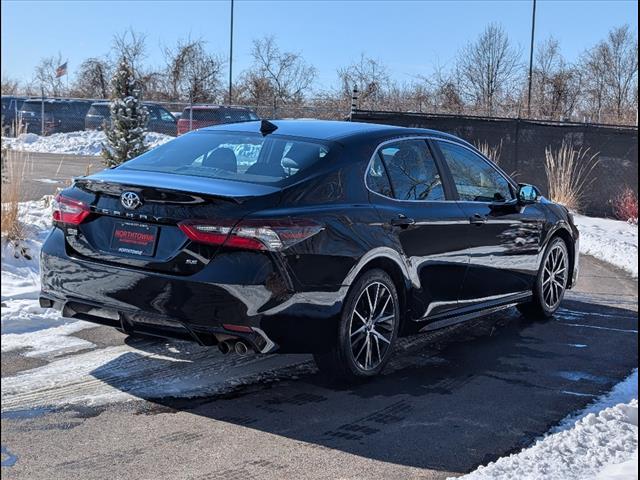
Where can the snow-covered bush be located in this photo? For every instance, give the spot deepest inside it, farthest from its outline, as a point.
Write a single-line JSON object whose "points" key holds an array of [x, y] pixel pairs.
{"points": [[129, 117]]}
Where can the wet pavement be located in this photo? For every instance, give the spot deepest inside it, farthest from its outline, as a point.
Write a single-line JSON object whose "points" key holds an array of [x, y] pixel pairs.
{"points": [[450, 400]]}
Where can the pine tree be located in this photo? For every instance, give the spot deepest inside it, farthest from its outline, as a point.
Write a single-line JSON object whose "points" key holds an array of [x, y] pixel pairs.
{"points": [[129, 117]]}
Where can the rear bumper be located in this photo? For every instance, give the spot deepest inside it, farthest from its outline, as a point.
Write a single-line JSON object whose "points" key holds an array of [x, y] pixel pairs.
{"points": [[244, 290]]}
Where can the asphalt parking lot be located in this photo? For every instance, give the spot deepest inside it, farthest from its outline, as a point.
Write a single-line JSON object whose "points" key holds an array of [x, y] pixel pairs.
{"points": [[43, 173], [449, 401]]}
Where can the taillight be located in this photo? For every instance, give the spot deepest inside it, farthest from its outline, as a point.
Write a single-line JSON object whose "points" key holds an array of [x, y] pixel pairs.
{"points": [[270, 235], [68, 210]]}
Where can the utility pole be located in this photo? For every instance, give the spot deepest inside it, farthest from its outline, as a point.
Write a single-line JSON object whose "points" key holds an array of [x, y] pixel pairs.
{"points": [[231, 56], [533, 30]]}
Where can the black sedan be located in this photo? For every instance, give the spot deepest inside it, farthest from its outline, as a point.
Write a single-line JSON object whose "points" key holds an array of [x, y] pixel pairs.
{"points": [[332, 238]]}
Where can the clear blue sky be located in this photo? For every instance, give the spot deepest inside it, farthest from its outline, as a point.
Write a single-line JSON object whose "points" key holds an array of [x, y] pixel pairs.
{"points": [[411, 37]]}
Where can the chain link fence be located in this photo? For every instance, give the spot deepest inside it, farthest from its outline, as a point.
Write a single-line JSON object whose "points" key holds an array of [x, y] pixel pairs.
{"points": [[51, 115]]}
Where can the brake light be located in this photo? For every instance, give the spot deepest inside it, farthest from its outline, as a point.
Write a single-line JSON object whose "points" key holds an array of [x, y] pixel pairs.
{"points": [[68, 210], [272, 235]]}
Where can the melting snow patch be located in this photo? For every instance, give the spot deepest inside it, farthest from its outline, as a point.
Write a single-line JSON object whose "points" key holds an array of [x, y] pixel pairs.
{"points": [[51, 342], [599, 442], [612, 241]]}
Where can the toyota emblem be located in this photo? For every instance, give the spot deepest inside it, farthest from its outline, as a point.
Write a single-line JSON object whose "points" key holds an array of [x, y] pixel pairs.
{"points": [[130, 200]]}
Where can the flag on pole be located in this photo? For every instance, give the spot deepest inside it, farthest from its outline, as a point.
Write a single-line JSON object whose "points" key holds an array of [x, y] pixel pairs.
{"points": [[61, 70]]}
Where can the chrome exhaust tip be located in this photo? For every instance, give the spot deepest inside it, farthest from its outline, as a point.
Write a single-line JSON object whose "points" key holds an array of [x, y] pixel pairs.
{"points": [[224, 347], [241, 348]]}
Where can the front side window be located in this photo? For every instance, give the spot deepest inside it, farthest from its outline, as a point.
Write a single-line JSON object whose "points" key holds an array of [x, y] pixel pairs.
{"points": [[412, 171], [475, 179], [247, 157], [165, 116]]}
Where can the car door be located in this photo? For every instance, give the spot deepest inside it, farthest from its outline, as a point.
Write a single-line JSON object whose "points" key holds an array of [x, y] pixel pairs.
{"points": [[503, 237], [423, 221]]}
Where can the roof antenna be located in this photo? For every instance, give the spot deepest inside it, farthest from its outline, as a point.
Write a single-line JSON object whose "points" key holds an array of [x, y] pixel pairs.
{"points": [[266, 127]]}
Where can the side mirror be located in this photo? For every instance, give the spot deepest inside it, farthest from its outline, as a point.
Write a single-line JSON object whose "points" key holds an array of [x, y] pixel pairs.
{"points": [[527, 194]]}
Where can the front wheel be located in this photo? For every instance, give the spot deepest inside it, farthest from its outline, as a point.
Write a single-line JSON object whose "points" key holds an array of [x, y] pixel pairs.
{"points": [[551, 282], [368, 329]]}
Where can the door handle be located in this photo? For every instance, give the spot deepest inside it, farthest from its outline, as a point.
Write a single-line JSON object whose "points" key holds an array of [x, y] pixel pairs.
{"points": [[402, 221], [478, 219]]}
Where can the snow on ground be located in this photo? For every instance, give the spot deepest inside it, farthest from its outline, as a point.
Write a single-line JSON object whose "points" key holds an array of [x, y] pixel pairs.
{"points": [[612, 241], [600, 446], [23, 323], [87, 142]]}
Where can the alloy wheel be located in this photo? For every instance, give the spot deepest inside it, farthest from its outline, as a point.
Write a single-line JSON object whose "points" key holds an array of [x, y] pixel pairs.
{"points": [[554, 276], [372, 325]]}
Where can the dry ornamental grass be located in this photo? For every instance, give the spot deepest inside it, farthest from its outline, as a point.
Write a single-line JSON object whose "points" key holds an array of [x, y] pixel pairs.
{"points": [[15, 166], [569, 174]]}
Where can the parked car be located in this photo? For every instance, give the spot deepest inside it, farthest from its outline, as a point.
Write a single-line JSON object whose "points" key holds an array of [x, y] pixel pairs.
{"points": [[60, 115], [160, 119], [201, 116], [305, 236], [10, 107]]}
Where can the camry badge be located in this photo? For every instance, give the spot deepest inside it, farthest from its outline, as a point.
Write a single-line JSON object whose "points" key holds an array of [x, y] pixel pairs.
{"points": [[130, 200]]}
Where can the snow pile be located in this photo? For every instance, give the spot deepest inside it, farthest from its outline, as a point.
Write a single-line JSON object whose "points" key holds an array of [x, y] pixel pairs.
{"points": [[612, 241], [22, 320], [88, 142], [601, 442], [20, 273]]}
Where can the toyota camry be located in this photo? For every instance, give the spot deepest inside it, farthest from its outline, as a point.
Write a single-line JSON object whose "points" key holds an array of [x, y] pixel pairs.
{"points": [[332, 238]]}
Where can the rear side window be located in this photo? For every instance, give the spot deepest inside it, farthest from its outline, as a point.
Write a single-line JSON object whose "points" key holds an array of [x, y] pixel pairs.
{"points": [[411, 170], [247, 157], [219, 115], [475, 179], [99, 110], [377, 178], [32, 106]]}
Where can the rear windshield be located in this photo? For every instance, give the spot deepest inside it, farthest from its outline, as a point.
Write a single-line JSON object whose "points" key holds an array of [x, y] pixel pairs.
{"points": [[219, 115], [245, 157], [99, 110]]}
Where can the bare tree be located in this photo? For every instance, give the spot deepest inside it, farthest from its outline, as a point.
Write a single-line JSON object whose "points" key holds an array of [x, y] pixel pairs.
{"points": [[192, 72], [92, 79], [488, 68], [556, 84], [132, 47], [621, 56], [611, 75], [446, 91], [45, 76], [285, 75], [370, 76], [10, 86]]}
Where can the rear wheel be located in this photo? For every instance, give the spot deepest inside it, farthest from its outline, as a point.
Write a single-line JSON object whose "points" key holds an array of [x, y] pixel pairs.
{"points": [[551, 282], [367, 331]]}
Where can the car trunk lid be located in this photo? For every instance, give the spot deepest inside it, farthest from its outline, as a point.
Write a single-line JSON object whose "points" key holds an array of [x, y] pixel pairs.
{"points": [[145, 233]]}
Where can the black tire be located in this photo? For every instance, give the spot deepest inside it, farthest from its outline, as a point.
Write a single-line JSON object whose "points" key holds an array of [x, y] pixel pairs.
{"points": [[341, 362], [541, 307]]}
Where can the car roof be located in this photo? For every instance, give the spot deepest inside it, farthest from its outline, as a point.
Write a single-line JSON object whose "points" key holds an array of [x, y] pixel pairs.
{"points": [[216, 107], [331, 129], [105, 103], [55, 100]]}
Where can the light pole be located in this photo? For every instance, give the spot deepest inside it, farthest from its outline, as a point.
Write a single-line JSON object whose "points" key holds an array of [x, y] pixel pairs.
{"points": [[533, 30], [231, 56]]}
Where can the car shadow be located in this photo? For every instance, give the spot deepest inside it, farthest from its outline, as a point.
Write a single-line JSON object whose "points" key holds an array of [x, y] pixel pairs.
{"points": [[449, 400]]}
